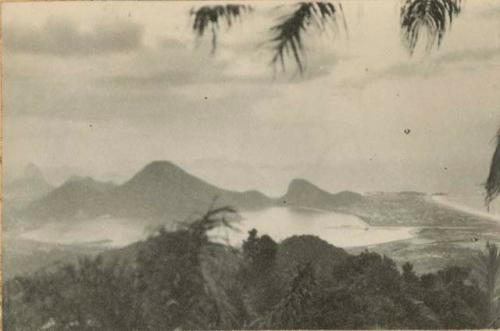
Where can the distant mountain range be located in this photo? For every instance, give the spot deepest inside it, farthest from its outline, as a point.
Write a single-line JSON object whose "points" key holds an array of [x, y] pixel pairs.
{"points": [[302, 193], [30, 187], [163, 191]]}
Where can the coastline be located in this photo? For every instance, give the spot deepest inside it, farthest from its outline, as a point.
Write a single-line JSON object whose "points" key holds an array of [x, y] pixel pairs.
{"points": [[441, 200]]}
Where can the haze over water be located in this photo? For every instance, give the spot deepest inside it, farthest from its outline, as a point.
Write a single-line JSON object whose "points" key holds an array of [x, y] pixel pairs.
{"points": [[341, 230], [280, 223]]}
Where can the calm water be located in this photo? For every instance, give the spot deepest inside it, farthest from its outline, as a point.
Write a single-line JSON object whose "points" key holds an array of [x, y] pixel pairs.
{"points": [[338, 229], [116, 232]]}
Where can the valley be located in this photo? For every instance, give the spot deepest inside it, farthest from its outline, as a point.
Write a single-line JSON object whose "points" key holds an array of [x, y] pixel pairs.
{"points": [[84, 216]]}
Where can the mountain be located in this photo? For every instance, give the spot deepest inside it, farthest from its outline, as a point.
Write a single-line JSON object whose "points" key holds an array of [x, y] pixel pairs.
{"points": [[76, 198], [302, 193], [30, 187], [162, 191]]}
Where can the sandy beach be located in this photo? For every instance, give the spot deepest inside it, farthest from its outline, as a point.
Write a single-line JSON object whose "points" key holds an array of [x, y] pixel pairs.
{"points": [[443, 201]]}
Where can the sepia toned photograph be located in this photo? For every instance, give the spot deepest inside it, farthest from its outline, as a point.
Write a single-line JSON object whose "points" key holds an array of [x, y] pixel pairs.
{"points": [[250, 165]]}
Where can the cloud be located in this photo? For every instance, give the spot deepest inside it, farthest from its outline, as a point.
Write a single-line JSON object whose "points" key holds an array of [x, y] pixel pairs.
{"points": [[176, 64], [492, 11], [171, 43], [163, 67], [172, 63], [465, 59], [61, 37], [163, 78], [482, 54]]}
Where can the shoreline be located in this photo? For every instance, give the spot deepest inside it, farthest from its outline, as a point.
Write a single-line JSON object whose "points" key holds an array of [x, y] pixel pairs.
{"points": [[441, 200]]}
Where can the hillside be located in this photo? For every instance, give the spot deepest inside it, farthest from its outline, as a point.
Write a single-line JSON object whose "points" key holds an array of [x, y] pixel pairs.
{"points": [[30, 187], [302, 193], [301, 249], [82, 198], [164, 191], [161, 190]]}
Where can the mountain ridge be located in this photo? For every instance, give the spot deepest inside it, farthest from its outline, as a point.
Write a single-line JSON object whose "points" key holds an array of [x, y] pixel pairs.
{"points": [[30, 187], [162, 190], [302, 193]]}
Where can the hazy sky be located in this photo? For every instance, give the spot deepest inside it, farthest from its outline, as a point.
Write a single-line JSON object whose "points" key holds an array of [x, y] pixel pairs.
{"points": [[105, 87]]}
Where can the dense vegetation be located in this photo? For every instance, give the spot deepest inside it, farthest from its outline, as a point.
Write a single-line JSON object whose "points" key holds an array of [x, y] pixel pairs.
{"points": [[183, 280]]}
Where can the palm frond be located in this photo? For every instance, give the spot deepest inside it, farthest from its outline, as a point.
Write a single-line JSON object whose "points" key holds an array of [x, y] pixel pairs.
{"points": [[436, 16], [209, 17], [288, 33], [492, 185], [213, 218], [490, 263]]}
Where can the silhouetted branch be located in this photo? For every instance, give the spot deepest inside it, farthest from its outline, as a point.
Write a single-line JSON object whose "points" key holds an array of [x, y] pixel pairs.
{"points": [[213, 218], [492, 185], [434, 15], [210, 16], [288, 33], [489, 267]]}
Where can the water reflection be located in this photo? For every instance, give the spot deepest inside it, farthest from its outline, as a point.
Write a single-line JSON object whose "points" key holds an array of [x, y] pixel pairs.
{"points": [[339, 229]]}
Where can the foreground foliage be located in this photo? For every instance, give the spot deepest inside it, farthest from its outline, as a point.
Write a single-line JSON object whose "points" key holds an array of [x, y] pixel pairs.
{"points": [[183, 280]]}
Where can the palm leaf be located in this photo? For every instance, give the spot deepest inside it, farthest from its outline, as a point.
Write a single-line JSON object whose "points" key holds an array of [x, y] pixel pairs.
{"points": [[436, 16], [209, 17], [488, 268], [492, 185], [213, 218], [288, 32]]}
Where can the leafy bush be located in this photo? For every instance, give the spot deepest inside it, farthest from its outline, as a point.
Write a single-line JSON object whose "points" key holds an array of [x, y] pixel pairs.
{"points": [[182, 280]]}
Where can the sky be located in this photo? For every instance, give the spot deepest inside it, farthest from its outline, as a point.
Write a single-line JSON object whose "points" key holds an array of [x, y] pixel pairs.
{"points": [[103, 88]]}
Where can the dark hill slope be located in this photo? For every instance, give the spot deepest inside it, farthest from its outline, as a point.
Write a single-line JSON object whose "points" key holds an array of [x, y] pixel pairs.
{"points": [[30, 187], [302, 193], [83, 198], [161, 190], [299, 250]]}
